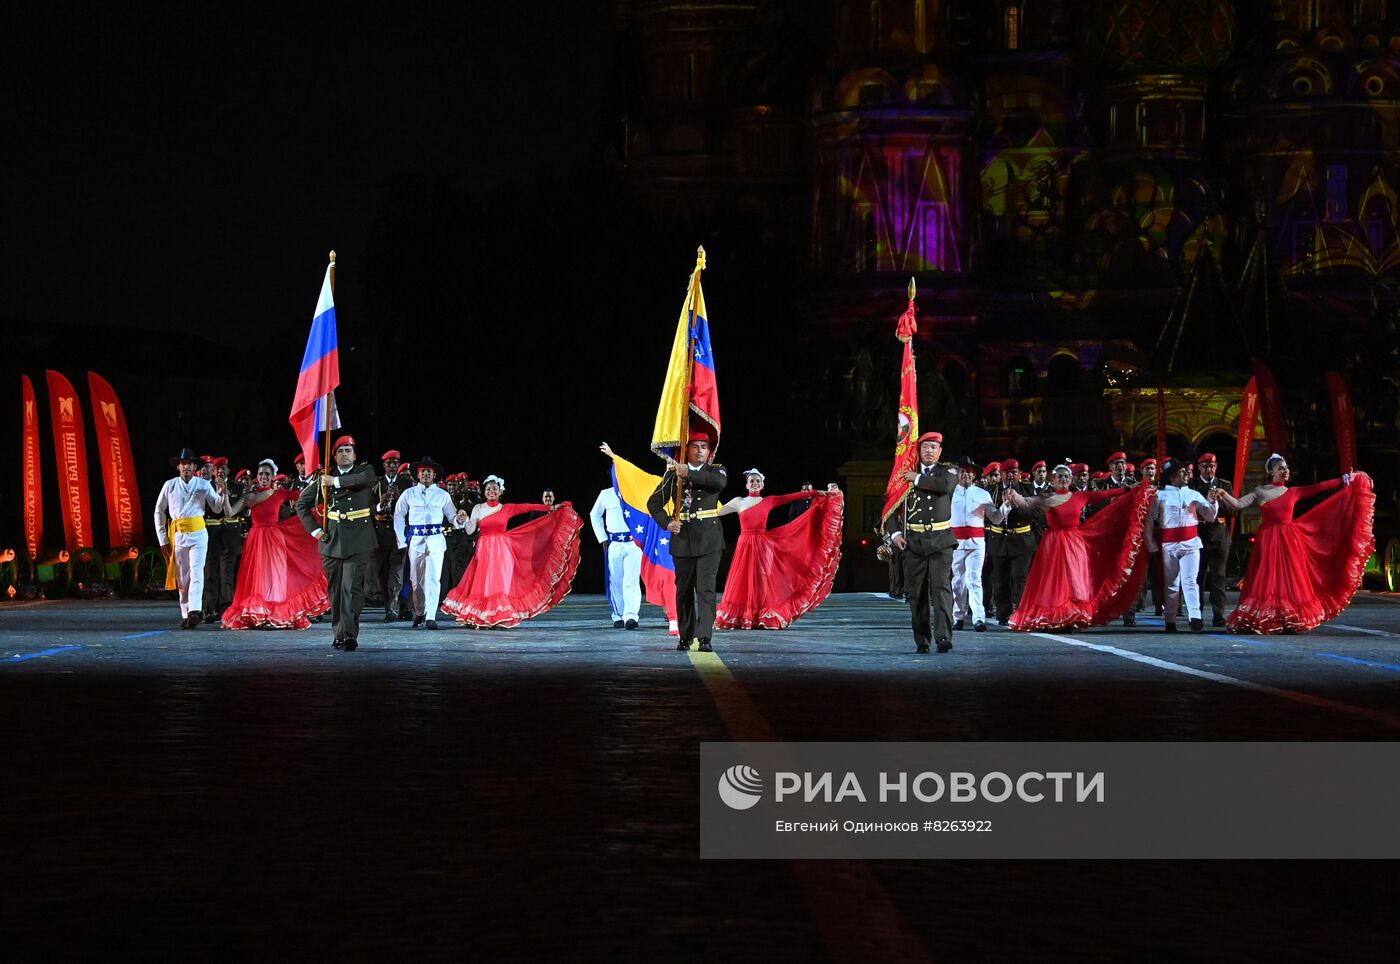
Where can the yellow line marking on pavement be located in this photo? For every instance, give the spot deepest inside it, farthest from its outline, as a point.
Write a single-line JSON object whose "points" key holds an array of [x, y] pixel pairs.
{"points": [[1321, 702], [855, 915]]}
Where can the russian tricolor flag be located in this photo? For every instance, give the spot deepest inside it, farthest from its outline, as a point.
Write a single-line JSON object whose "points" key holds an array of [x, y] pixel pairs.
{"points": [[320, 374]]}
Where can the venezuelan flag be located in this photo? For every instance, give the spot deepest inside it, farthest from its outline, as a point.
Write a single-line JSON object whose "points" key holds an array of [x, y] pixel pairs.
{"points": [[634, 487], [690, 388]]}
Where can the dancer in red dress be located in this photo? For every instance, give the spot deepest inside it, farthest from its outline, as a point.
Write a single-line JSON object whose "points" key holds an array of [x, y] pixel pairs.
{"points": [[1084, 574], [1305, 570], [779, 574], [281, 583], [519, 573]]}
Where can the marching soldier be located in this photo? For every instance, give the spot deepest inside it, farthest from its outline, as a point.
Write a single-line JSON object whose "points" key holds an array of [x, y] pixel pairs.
{"points": [[1215, 538], [388, 556], [927, 534], [1012, 551], [697, 541], [346, 536], [218, 560], [991, 483]]}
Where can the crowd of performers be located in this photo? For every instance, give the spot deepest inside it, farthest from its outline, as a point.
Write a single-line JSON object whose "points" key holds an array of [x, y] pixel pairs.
{"points": [[1060, 549], [265, 549], [1052, 549]]}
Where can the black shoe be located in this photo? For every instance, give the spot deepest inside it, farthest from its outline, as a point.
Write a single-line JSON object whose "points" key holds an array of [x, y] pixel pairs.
{"points": [[921, 645], [617, 624], [390, 617], [945, 645], [349, 645], [1159, 611], [417, 622], [1197, 625], [1171, 627], [339, 642], [185, 621], [705, 645], [317, 619], [979, 627], [211, 618], [432, 624], [683, 645], [1003, 622], [1218, 621], [631, 624], [1130, 620], [957, 625]]}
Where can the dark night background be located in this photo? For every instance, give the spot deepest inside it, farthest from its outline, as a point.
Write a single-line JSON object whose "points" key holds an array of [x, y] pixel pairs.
{"points": [[516, 194]]}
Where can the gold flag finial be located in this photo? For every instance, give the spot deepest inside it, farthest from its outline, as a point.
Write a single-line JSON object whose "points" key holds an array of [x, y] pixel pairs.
{"points": [[700, 258], [911, 288], [332, 256]]}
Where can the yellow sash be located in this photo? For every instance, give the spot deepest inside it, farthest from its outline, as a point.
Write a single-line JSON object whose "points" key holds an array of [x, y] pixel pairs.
{"points": [[187, 524]]}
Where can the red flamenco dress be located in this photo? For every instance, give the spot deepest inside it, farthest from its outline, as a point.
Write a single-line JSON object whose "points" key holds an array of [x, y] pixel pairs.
{"points": [[1086, 574], [519, 573], [281, 583], [1305, 571], [779, 574]]}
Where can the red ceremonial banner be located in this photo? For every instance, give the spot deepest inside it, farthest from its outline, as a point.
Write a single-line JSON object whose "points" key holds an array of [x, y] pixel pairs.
{"points": [[1249, 416], [1343, 419], [1161, 426], [124, 526], [33, 494], [1271, 407], [906, 452], [70, 449]]}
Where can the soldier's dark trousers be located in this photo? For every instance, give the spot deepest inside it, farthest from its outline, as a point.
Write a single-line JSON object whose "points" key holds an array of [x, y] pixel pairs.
{"points": [[390, 560], [1009, 581], [228, 576], [896, 565], [928, 583], [1215, 550], [695, 594], [347, 590], [214, 570]]}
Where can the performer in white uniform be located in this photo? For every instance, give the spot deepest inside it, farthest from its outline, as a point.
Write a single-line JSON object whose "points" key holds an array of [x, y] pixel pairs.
{"points": [[179, 518], [1178, 508], [623, 557], [419, 515], [971, 508]]}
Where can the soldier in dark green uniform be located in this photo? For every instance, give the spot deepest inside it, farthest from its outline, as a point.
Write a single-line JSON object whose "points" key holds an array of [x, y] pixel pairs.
{"points": [[697, 541], [927, 535], [347, 540], [1011, 563], [388, 556]]}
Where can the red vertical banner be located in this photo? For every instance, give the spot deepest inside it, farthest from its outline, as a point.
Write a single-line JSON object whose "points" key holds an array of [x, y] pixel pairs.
{"points": [[1249, 417], [33, 494], [1161, 425], [906, 449], [124, 527], [1271, 407], [1343, 419], [70, 449]]}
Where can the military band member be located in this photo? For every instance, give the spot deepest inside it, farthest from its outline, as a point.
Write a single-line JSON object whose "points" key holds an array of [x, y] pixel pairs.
{"points": [[389, 556], [927, 534], [1152, 588], [1215, 538], [1011, 563], [179, 519], [419, 516], [697, 541], [991, 483], [346, 536], [460, 543], [218, 558], [299, 480]]}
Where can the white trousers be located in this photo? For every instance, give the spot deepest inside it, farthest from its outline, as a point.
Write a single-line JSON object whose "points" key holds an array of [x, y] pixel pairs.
{"points": [[425, 573], [1181, 567], [191, 548], [624, 579], [968, 558]]}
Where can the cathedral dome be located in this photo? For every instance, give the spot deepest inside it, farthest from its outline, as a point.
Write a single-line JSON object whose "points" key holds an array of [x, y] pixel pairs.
{"points": [[1161, 36]]}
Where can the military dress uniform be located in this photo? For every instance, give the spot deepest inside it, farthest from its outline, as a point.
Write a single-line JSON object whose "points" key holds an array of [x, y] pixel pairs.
{"points": [[389, 558], [1011, 554], [1215, 547], [460, 543], [349, 552], [696, 549], [928, 561]]}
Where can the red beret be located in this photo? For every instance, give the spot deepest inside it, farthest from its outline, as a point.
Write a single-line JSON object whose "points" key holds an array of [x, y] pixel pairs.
{"points": [[991, 467], [1011, 465], [1039, 465], [279, 477], [1131, 467], [1078, 467], [218, 461], [391, 454], [1208, 457], [1146, 462], [299, 460], [240, 475], [207, 459], [930, 437], [701, 433], [1118, 457], [403, 469], [344, 440]]}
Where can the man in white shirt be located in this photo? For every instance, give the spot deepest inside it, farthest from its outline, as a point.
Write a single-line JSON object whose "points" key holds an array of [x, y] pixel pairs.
{"points": [[419, 515], [972, 504], [622, 556], [179, 519], [1178, 509]]}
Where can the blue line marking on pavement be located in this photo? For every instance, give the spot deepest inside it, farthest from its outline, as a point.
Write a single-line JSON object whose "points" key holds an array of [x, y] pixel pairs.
{"points": [[1249, 642], [154, 632], [1360, 662], [21, 657]]}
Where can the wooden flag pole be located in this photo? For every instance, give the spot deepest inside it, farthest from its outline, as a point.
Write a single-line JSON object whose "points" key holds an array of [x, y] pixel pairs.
{"points": [[689, 371]]}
